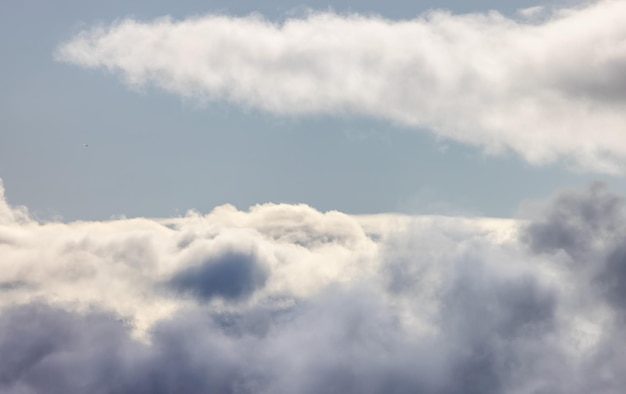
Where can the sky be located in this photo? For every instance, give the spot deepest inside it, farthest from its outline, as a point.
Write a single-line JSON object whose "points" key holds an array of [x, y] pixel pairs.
{"points": [[394, 142], [312, 198]]}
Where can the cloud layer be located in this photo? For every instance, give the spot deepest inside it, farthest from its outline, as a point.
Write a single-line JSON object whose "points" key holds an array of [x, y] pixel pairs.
{"points": [[286, 299], [549, 86]]}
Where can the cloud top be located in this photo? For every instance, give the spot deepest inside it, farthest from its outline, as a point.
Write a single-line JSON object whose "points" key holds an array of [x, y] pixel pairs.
{"points": [[550, 88], [287, 299]]}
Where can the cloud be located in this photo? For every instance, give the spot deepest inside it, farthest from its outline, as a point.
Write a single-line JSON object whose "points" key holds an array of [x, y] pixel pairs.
{"points": [[231, 275], [10, 214], [287, 299], [549, 90], [578, 222], [589, 227], [51, 350], [531, 12], [585, 232]]}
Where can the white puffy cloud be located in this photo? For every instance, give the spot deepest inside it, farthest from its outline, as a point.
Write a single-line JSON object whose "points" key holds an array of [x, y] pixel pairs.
{"points": [[287, 299], [549, 86]]}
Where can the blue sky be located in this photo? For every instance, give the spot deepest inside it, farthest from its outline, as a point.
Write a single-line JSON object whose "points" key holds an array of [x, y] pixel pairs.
{"points": [[153, 153]]}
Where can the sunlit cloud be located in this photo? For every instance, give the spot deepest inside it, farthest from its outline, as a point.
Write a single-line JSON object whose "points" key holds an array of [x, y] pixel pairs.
{"points": [[548, 86]]}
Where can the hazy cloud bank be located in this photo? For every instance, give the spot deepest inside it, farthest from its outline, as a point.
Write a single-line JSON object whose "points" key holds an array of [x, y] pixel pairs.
{"points": [[548, 86], [286, 299]]}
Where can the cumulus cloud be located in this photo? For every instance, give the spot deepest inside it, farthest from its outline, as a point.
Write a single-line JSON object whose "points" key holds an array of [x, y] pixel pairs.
{"points": [[549, 89], [287, 299]]}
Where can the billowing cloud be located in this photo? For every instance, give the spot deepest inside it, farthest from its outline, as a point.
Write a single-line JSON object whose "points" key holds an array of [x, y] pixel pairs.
{"points": [[588, 230], [287, 299], [549, 86], [579, 222]]}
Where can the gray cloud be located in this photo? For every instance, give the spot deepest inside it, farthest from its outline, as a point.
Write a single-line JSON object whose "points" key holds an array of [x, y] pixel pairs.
{"points": [[51, 350], [343, 340], [231, 275], [498, 325], [590, 227], [578, 221], [612, 278], [13, 285]]}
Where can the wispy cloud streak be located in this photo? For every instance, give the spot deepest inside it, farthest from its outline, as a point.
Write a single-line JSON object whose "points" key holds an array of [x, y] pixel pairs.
{"points": [[550, 88]]}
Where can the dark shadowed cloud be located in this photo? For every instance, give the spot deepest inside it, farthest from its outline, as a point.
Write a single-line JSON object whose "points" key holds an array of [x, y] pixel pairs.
{"points": [[577, 220], [342, 341], [590, 227], [612, 278], [46, 349], [231, 275]]}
